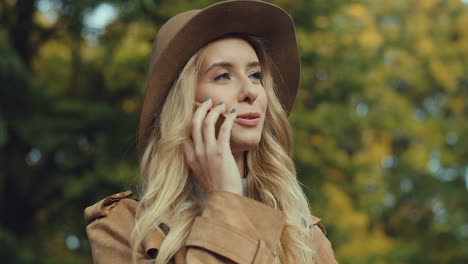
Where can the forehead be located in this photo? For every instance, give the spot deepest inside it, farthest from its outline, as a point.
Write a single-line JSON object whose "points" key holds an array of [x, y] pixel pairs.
{"points": [[229, 49]]}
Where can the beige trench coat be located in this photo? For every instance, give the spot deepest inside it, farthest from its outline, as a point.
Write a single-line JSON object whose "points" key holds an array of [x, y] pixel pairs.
{"points": [[231, 229]]}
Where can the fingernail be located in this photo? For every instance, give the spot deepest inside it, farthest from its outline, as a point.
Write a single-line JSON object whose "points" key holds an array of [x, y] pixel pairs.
{"points": [[206, 99], [233, 111], [220, 103]]}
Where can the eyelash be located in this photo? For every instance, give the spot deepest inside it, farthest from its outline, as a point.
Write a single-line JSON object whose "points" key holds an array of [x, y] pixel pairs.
{"points": [[256, 75], [222, 75]]}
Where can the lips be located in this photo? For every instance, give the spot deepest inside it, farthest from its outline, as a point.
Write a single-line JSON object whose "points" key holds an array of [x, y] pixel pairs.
{"points": [[248, 119]]}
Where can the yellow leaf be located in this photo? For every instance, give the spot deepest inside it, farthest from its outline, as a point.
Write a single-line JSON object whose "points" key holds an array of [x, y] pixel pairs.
{"points": [[425, 46], [356, 10], [321, 21], [316, 140], [129, 105], [443, 75], [370, 39]]}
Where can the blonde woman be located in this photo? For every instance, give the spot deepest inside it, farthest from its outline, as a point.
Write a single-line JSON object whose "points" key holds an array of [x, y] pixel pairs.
{"points": [[218, 181]]}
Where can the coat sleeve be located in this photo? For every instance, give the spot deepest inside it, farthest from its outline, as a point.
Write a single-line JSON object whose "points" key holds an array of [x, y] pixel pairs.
{"points": [[321, 244], [111, 222]]}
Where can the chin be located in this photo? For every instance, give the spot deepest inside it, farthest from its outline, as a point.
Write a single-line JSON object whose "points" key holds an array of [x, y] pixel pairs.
{"points": [[241, 143]]}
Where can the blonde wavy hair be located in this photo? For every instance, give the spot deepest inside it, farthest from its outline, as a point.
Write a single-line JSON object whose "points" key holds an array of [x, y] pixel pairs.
{"points": [[167, 186]]}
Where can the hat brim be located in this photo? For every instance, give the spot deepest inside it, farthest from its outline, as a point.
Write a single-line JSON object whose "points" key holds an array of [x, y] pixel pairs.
{"points": [[256, 18]]}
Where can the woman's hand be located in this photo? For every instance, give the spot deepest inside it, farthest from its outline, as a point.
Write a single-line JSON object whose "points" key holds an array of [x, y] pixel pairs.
{"points": [[210, 158]]}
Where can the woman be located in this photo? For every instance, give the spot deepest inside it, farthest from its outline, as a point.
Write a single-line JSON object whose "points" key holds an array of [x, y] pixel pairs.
{"points": [[218, 181]]}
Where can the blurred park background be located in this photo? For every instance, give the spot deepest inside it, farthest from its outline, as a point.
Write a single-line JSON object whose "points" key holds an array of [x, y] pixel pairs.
{"points": [[380, 123]]}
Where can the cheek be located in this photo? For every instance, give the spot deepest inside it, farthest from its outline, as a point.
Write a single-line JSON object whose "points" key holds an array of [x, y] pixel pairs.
{"points": [[216, 93], [263, 101], [201, 91]]}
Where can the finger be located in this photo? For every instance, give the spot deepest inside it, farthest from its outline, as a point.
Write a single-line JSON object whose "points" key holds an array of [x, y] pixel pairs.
{"points": [[197, 120], [225, 130], [209, 123], [196, 105], [189, 150]]}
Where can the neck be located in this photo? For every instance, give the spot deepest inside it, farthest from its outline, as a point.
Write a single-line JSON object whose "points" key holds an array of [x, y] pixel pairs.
{"points": [[240, 161]]}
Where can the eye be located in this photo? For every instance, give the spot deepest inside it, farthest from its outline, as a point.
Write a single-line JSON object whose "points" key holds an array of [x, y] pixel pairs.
{"points": [[257, 75], [223, 76]]}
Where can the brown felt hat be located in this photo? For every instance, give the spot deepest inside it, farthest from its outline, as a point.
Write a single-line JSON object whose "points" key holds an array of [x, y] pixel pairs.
{"points": [[184, 34]]}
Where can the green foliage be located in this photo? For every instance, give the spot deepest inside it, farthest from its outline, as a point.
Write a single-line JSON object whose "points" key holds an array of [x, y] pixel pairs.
{"points": [[379, 122], [382, 121]]}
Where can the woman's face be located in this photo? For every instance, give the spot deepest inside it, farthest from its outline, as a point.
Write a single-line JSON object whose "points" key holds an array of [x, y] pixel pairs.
{"points": [[230, 73]]}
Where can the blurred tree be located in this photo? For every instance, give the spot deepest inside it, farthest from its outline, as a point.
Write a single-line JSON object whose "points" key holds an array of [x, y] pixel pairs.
{"points": [[380, 129]]}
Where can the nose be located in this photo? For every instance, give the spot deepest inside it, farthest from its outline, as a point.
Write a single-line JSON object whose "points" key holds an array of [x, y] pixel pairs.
{"points": [[248, 90]]}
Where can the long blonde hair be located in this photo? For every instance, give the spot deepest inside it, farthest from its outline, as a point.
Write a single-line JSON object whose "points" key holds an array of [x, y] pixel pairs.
{"points": [[167, 184]]}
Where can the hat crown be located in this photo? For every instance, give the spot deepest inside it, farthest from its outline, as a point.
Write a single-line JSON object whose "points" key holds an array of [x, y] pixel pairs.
{"points": [[168, 31]]}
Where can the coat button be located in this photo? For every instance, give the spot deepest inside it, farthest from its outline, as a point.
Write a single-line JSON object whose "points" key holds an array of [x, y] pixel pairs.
{"points": [[152, 253]]}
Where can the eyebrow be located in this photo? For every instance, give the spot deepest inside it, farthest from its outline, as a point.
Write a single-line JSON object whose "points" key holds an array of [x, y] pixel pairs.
{"points": [[228, 64]]}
